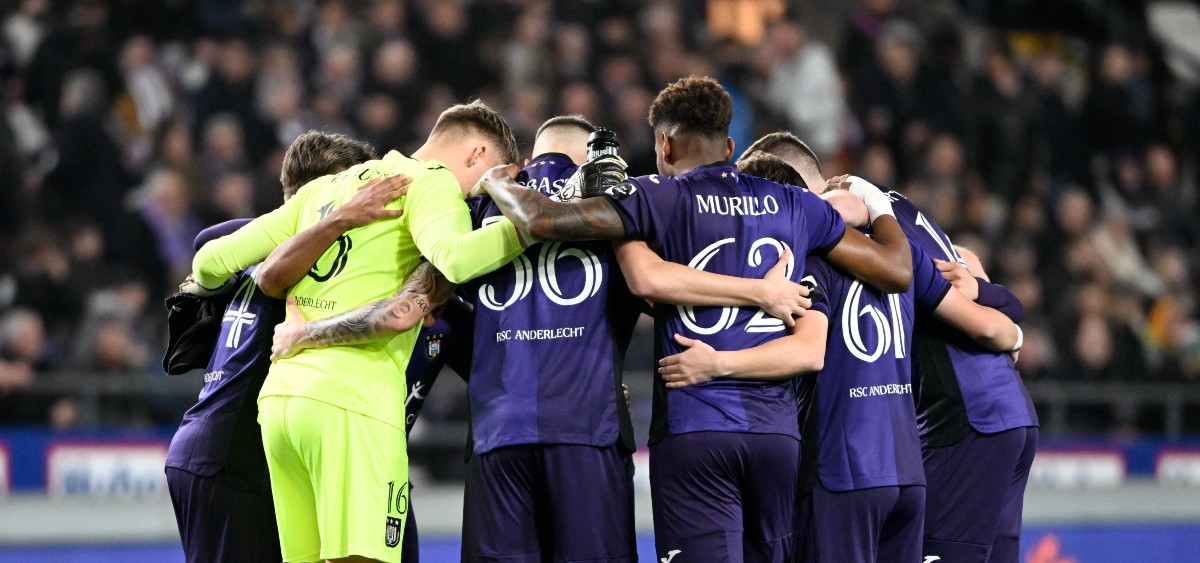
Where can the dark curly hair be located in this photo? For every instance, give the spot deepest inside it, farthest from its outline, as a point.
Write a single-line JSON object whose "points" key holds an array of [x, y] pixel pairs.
{"points": [[787, 145], [316, 153], [769, 166], [697, 104]]}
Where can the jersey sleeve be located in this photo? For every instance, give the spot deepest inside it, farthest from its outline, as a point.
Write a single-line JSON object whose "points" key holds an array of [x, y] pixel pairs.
{"points": [[818, 273], [1001, 299], [646, 211], [441, 228], [825, 225], [217, 231], [929, 287], [219, 259]]}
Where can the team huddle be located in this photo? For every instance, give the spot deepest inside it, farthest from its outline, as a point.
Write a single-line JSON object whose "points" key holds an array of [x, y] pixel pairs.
{"points": [[834, 380]]}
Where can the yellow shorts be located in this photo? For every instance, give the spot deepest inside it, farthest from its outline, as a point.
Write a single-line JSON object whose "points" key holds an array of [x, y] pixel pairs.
{"points": [[331, 471]]}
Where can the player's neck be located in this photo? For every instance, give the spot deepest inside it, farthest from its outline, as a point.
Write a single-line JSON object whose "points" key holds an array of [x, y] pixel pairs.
{"points": [[430, 151], [691, 162], [690, 152], [452, 158]]}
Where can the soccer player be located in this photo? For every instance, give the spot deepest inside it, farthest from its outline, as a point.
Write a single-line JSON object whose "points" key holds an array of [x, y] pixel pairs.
{"points": [[862, 485], [442, 342], [977, 424], [551, 478], [216, 469], [333, 418], [723, 454]]}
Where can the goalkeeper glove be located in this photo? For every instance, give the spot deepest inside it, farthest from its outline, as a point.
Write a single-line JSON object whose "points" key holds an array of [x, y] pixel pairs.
{"points": [[600, 174]]}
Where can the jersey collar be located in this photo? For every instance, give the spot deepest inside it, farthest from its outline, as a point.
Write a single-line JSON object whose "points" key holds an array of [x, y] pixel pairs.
{"points": [[715, 166], [552, 158]]}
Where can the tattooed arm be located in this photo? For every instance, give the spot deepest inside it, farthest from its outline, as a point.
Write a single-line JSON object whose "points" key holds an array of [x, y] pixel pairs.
{"points": [[540, 218], [425, 291]]}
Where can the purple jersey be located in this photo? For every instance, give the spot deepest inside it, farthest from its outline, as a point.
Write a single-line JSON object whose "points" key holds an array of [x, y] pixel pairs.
{"points": [[716, 219], [446, 343], [221, 430], [957, 383], [860, 422], [551, 329]]}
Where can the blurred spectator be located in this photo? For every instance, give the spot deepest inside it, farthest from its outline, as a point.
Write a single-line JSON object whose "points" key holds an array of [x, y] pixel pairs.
{"points": [[804, 87], [1117, 248], [1120, 108], [230, 90], [22, 354], [572, 49], [23, 339], [743, 20], [89, 174], [166, 211], [146, 85], [899, 103], [525, 63], [233, 198], [223, 149], [445, 43], [85, 42], [1005, 131], [1057, 133], [25, 28]]}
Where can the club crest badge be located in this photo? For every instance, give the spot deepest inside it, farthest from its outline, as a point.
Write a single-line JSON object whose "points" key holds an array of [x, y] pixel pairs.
{"points": [[622, 190], [392, 537], [434, 347]]}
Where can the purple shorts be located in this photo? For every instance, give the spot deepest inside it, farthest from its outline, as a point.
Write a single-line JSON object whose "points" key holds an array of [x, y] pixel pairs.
{"points": [[724, 496], [219, 523], [877, 525], [976, 492], [549, 503]]}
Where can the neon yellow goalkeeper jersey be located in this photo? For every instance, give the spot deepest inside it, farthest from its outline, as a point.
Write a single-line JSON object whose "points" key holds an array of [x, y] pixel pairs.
{"points": [[364, 265]]}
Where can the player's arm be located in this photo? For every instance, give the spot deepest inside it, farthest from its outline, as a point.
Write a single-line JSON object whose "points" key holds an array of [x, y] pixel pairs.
{"points": [[290, 261], [651, 277], [802, 351], [542, 219], [979, 288], [425, 290], [219, 259], [986, 326], [440, 225], [882, 260]]}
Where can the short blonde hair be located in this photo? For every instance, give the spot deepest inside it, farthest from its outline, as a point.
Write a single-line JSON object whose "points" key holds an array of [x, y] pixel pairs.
{"points": [[480, 118]]}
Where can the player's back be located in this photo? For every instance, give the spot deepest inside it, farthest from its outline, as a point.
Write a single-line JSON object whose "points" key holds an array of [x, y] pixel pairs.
{"points": [[957, 384], [551, 332], [366, 264], [716, 219], [219, 432], [859, 428]]}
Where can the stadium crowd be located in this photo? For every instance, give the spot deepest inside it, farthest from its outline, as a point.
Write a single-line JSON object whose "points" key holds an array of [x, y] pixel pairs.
{"points": [[1058, 154]]}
